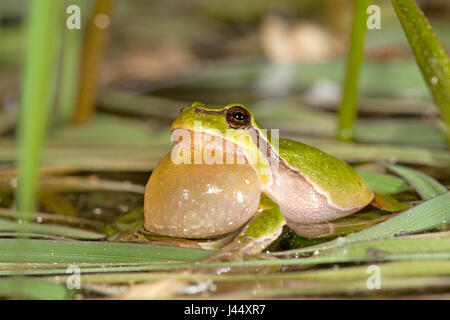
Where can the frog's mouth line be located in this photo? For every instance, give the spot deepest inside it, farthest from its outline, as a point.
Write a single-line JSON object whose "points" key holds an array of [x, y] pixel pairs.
{"points": [[210, 138], [260, 142], [206, 149], [261, 156], [220, 112]]}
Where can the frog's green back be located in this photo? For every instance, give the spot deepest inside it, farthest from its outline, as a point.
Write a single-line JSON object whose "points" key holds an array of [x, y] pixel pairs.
{"points": [[343, 184]]}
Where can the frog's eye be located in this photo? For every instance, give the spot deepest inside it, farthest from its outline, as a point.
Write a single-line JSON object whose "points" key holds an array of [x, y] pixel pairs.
{"points": [[238, 117]]}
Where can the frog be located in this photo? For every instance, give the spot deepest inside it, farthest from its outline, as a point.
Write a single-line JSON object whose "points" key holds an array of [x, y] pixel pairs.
{"points": [[226, 173]]}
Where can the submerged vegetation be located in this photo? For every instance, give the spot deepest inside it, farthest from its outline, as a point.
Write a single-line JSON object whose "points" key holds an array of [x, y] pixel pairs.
{"points": [[80, 136]]}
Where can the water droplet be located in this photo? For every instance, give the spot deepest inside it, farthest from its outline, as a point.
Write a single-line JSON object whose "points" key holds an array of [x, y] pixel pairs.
{"points": [[340, 240], [102, 21], [240, 197], [434, 80], [13, 183], [393, 160], [185, 194]]}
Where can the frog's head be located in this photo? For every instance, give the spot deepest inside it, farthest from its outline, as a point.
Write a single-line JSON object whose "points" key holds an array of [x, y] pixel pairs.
{"points": [[233, 122]]}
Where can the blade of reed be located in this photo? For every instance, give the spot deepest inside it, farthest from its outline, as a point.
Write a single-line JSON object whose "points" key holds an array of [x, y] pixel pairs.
{"points": [[90, 184], [350, 288], [70, 61], [31, 268], [80, 184], [425, 216], [50, 217], [62, 231], [46, 251], [431, 56], [422, 217], [98, 27], [383, 183], [348, 108], [425, 185], [1, 49], [25, 288], [37, 95], [38, 91], [388, 269], [122, 257]]}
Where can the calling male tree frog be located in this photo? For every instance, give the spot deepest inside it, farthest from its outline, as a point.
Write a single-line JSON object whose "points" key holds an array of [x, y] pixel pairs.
{"points": [[225, 172]]}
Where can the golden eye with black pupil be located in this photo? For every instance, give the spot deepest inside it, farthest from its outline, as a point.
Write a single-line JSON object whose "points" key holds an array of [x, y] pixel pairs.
{"points": [[238, 117]]}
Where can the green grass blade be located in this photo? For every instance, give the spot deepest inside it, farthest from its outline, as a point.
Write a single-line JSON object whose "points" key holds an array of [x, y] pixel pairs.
{"points": [[352, 287], [383, 183], [348, 108], [431, 56], [47, 229], [425, 185], [243, 263], [37, 94], [33, 289], [38, 89], [47, 251], [392, 269], [70, 61], [54, 218], [93, 50], [425, 216], [109, 257]]}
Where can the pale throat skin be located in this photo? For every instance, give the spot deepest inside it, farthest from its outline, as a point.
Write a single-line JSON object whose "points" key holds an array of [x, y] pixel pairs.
{"points": [[308, 185]]}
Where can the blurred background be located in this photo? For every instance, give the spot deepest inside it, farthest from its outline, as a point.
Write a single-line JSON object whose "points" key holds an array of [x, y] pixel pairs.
{"points": [[118, 81], [89, 88]]}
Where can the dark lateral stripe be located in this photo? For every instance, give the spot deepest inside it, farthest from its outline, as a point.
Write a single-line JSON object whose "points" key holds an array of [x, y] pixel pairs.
{"points": [[258, 139], [200, 110]]}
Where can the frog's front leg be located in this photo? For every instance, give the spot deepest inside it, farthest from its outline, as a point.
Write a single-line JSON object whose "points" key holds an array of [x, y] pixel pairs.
{"points": [[257, 234]]}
